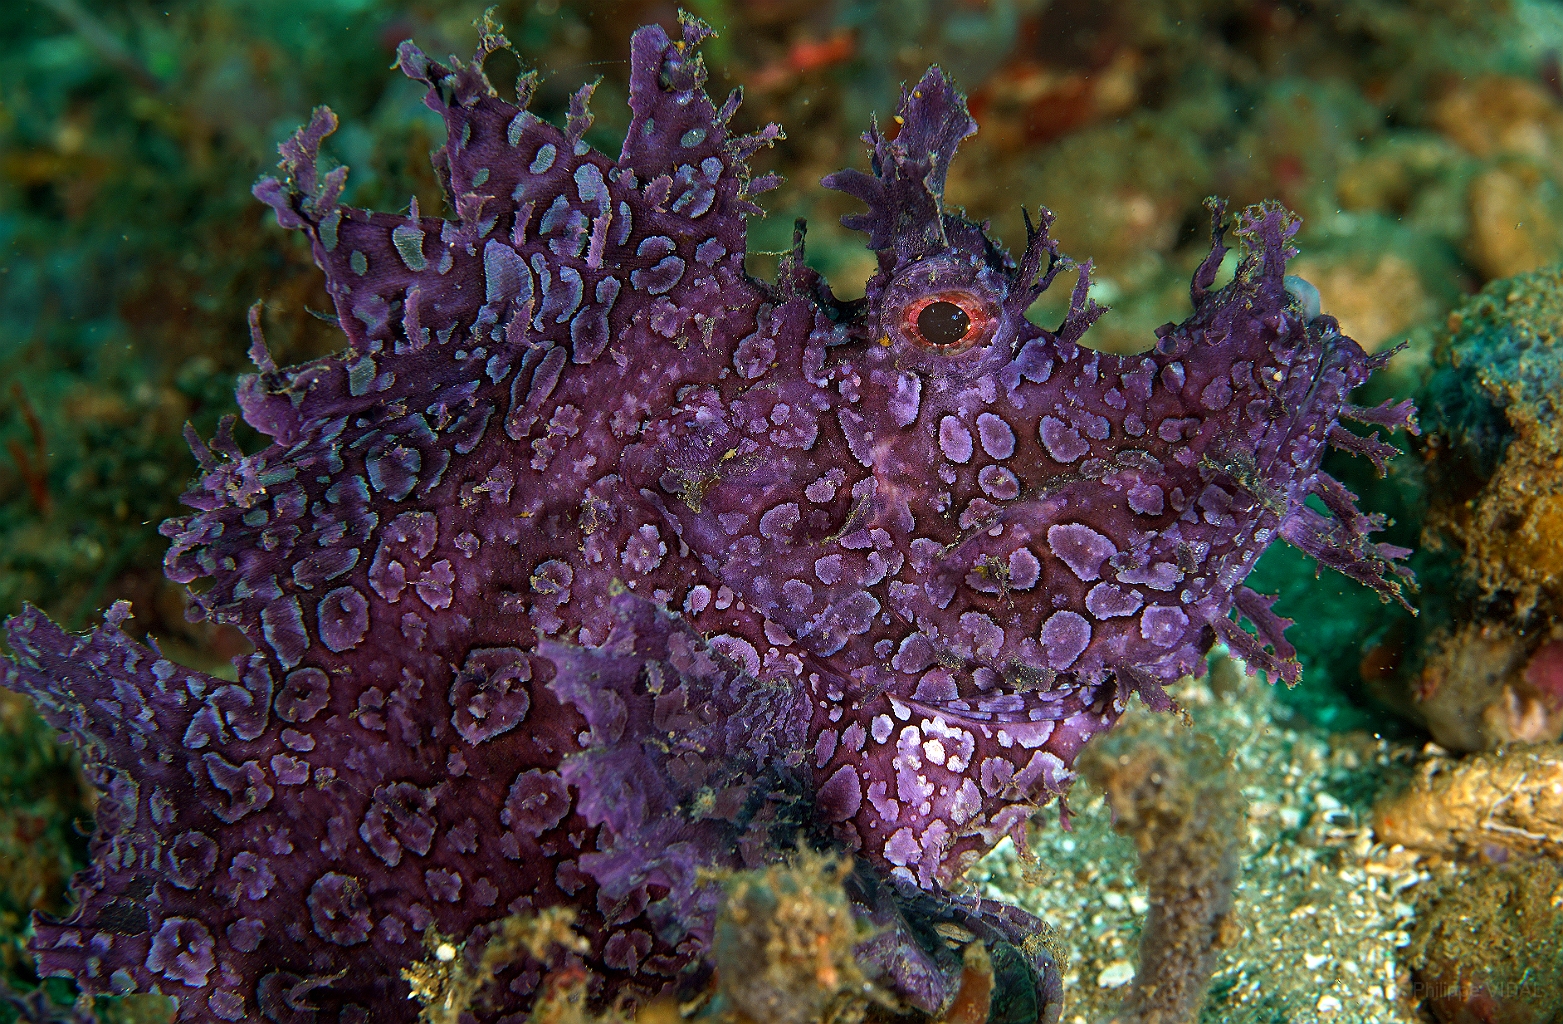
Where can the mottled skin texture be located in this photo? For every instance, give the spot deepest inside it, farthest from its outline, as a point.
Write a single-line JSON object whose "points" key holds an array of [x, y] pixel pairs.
{"points": [[594, 561]]}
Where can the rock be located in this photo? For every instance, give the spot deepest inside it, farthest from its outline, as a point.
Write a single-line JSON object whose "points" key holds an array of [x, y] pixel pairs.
{"points": [[1481, 686], [1510, 801], [1483, 665], [1488, 949]]}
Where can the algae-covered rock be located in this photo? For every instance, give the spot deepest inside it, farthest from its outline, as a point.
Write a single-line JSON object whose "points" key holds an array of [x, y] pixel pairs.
{"points": [[1490, 948], [1485, 664], [784, 945], [1495, 444]]}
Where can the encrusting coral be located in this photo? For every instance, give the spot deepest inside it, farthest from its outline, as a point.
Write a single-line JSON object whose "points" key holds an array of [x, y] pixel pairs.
{"points": [[595, 564]]}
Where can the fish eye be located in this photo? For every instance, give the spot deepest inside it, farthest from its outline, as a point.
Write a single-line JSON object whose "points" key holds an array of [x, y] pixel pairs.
{"points": [[943, 323], [946, 322]]}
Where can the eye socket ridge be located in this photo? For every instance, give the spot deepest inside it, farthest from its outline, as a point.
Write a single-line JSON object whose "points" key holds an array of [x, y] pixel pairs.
{"points": [[948, 321]]}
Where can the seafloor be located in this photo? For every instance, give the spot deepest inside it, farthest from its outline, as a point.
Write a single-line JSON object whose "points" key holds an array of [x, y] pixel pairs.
{"points": [[1393, 824]]}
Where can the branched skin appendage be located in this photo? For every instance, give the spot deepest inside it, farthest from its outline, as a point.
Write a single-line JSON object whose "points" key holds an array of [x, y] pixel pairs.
{"points": [[592, 560]]}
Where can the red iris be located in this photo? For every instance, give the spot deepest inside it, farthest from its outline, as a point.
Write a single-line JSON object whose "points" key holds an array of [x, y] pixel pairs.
{"points": [[946, 321]]}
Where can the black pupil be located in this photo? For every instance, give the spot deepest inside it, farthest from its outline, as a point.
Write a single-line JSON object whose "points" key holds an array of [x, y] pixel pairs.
{"points": [[943, 323]]}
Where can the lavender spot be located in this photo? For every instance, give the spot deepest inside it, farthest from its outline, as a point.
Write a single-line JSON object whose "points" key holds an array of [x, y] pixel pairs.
{"points": [[444, 886], [183, 951], [1109, 601], [625, 950], [1065, 636], [339, 909], [490, 694], [777, 523], [1034, 362], [841, 795], [1163, 625], [344, 619], [998, 483], [955, 440], [1161, 576], [753, 355], [304, 694], [1081, 548], [246, 934], [998, 440], [191, 858], [253, 876], [537, 801], [1024, 569], [644, 550], [737, 650], [282, 624], [902, 849], [1217, 394], [393, 469], [1063, 442], [906, 399], [659, 278], [1146, 499]]}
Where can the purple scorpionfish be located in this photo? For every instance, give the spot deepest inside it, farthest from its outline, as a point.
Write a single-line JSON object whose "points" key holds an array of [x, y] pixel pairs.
{"points": [[594, 562]]}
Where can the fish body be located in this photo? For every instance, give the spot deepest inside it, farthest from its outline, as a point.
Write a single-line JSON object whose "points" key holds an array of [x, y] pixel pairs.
{"points": [[594, 562]]}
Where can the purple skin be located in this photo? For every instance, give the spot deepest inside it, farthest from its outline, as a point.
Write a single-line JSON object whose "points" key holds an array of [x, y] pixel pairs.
{"points": [[591, 556]]}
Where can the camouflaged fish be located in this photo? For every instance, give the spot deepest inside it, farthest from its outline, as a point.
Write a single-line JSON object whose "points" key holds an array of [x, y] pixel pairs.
{"points": [[594, 561]]}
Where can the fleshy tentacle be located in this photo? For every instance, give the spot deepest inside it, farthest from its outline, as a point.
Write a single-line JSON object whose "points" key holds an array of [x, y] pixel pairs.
{"points": [[905, 192]]}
